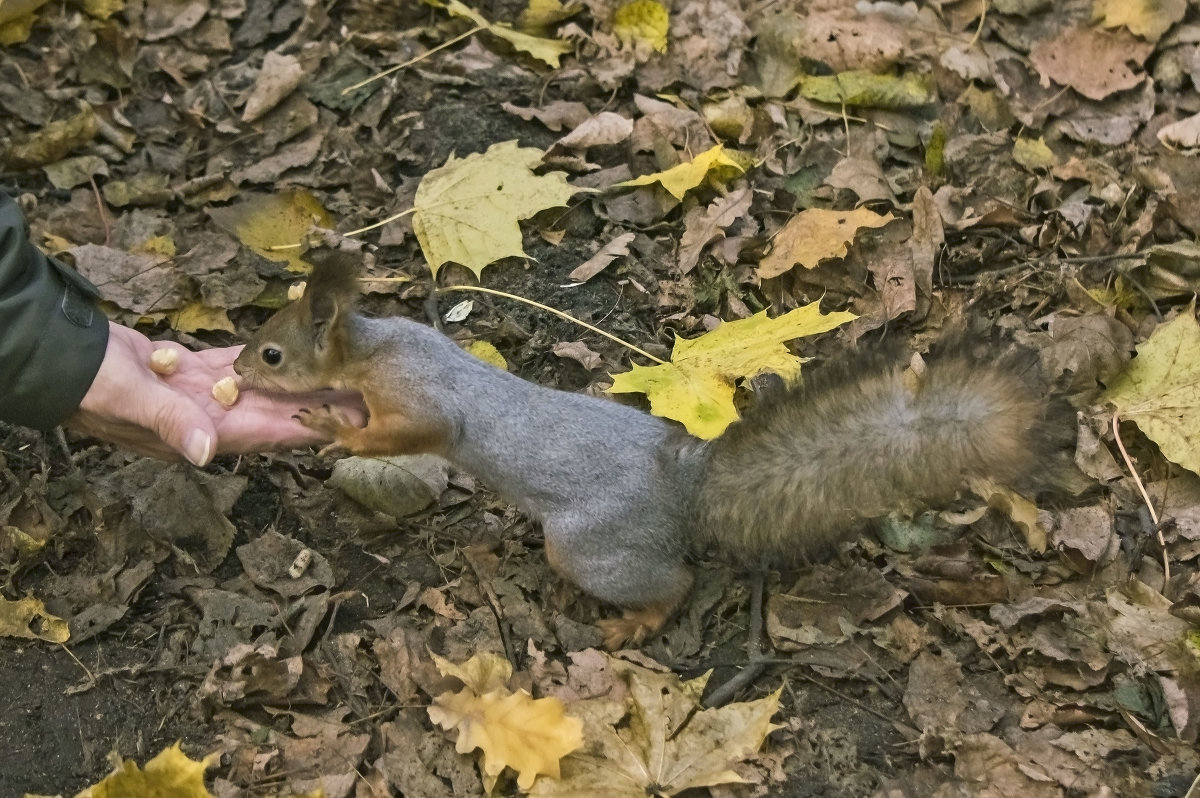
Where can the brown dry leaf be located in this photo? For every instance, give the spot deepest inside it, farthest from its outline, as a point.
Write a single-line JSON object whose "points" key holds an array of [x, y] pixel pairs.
{"points": [[815, 234], [605, 128], [278, 77], [510, 729], [139, 282], [659, 740], [983, 759], [703, 225], [617, 248], [1090, 61]]}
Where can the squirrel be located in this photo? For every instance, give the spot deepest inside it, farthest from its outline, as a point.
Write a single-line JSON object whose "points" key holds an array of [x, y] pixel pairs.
{"points": [[624, 497]]}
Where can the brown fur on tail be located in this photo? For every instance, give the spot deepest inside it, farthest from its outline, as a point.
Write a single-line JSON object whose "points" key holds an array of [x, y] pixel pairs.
{"points": [[809, 467]]}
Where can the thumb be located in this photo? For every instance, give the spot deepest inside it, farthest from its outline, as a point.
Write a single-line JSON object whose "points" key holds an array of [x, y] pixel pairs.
{"points": [[182, 425]]}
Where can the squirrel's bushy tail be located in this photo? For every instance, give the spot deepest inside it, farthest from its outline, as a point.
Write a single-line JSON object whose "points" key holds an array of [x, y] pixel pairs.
{"points": [[805, 469]]}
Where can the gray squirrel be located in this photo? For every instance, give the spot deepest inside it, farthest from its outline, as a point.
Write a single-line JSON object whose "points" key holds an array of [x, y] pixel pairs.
{"points": [[624, 497]]}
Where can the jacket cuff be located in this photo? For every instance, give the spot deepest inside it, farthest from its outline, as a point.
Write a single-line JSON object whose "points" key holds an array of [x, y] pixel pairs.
{"points": [[53, 334]]}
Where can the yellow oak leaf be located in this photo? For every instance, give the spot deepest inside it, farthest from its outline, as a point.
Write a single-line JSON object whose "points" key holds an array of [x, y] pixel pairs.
{"points": [[696, 387], [1160, 390], [466, 210], [548, 51], [28, 618], [268, 221], [643, 21], [641, 746], [1149, 19], [682, 178], [815, 234], [510, 729], [170, 773]]}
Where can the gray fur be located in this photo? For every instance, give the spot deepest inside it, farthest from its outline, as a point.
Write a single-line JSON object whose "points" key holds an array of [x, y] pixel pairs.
{"points": [[598, 475]]}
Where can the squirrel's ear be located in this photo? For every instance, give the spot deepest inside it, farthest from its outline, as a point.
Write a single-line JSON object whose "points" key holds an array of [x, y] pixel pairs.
{"points": [[332, 290]]}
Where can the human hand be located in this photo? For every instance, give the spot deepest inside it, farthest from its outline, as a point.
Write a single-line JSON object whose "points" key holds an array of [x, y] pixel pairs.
{"points": [[176, 415]]}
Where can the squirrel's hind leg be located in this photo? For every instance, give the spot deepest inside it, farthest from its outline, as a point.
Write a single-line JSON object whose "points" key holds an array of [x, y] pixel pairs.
{"points": [[634, 626]]}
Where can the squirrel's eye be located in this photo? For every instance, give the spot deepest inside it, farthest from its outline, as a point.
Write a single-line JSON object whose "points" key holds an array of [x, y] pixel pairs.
{"points": [[271, 356]]}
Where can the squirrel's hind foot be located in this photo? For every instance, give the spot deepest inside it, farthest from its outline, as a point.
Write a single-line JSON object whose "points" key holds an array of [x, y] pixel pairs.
{"points": [[634, 626]]}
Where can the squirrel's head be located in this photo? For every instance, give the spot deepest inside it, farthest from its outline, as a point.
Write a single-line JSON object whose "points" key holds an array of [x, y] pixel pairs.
{"points": [[303, 346]]}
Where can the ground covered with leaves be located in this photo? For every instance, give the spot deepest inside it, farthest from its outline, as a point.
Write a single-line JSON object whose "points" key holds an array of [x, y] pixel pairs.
{"points": [[1019, 169]]}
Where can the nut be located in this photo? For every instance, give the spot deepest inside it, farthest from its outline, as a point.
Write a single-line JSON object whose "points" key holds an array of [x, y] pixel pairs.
{"points": [[164, 361], [225, 391]]}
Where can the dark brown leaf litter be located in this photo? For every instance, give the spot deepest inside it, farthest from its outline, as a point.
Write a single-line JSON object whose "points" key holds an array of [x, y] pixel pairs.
{"points": [[942, 663]]}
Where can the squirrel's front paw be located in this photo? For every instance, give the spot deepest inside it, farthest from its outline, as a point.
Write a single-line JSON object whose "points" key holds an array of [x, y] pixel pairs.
{"points": [[330, 422]]}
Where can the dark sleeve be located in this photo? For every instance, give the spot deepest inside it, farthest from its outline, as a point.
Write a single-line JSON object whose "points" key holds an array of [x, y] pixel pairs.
{"points": [[52, 333]]}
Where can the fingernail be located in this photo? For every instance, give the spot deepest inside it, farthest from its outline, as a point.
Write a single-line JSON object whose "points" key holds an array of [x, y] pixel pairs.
{"points": [[198, 447]]}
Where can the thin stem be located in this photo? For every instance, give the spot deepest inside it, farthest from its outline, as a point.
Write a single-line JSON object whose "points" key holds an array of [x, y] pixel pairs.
{"points": [[560, 314], [1162, 543]]}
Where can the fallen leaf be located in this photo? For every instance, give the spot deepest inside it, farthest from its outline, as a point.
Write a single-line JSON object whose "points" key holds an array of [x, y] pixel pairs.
{"points": [[618, 247], [1160, 391], [1149, 19], [703, 225], [658, 740], [510, 729], [171, 773], [28, 618], [278, 77], [860, 88], [814, 235], [696, 387], [678, 180], [54, 141], [549, 51], [642, 21], [271, 224], [1092, 62], [466, 211], [398, 486]]}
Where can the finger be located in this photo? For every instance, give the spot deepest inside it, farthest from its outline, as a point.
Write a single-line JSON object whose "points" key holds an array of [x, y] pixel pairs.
{"points": [[181, 424]]}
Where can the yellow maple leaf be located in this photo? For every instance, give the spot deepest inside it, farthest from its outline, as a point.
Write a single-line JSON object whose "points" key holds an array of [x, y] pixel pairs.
{"points": [[815, 234], [642, 747], [548, 51], [1160, 390], [267, 221], [1149, 19], [171, 773], [510, 729], [682, 178], [643, 21], [696, 387], [28, 618], [466, 210]]}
